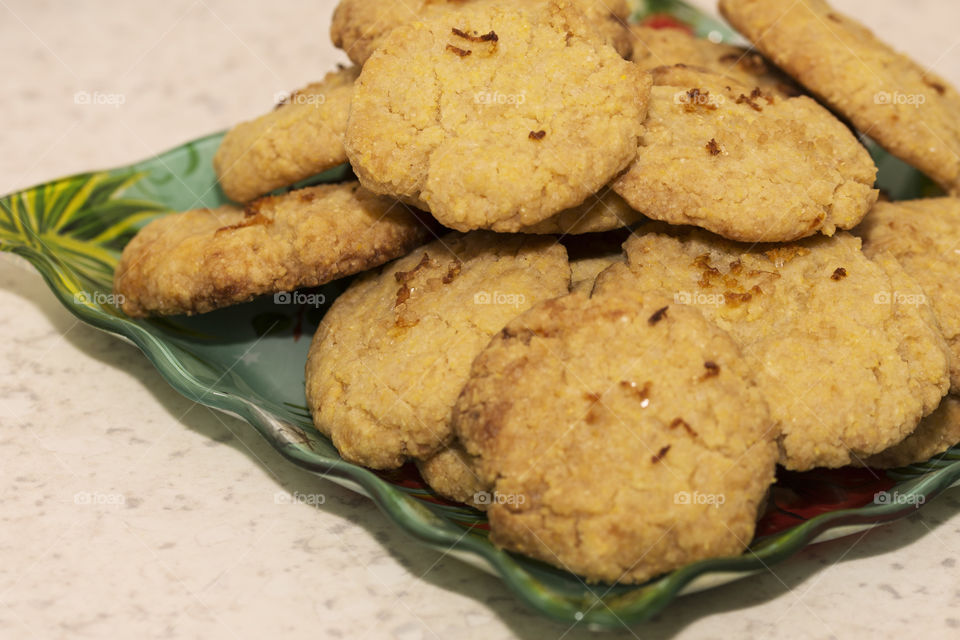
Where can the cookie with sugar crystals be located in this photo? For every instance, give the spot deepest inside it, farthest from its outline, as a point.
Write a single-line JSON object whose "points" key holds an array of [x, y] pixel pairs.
{"points": [[654, 48], [301, 137], [496, 116], [845, 350], [617, 464], [911, 111], [387, 363], [747, 164], [935, 434], [924, 237], [198, 261], [360, 26]]}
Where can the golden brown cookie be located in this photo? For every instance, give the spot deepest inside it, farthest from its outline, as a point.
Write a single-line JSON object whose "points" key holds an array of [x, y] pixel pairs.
{"points": [[910, 111], [617, 464], [495, 116], [360, 26], [584, 272], [924, 237], [604, 211], [451, 473], [591, 254], [392, 353], [198, 261], [654, 48], [301, 137], [746, 164], [847, 354], [936, 433]]}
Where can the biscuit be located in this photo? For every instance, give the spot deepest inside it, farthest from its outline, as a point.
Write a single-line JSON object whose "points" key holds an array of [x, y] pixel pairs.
{"points": [[198, 261], [924, 237], [450, 472], [617, 464], [591, 254], [848, 358], [393, 351], [604, 211], [654, 48], [745, 164], [495, 116], [584, 272], [910, 111], [936, 433], [360, 26], [302, 137]]}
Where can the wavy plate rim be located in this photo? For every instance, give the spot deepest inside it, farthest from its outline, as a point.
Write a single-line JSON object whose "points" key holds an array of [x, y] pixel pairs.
{"points": [[417, 521]]}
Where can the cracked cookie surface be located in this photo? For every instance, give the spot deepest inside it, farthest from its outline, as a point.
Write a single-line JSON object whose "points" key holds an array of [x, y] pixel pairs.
{"points": [[301, 137], [360, 26], [451, 472], [654, 48], [847, 356], [745, 164], [495, 117], [393, 351], [198, 261], [924, 237], [935, 434], [617, 464], [912, 112], [605, 211]]}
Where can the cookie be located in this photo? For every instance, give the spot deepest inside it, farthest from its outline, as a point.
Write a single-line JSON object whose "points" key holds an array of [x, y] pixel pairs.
{"points": [[393, 351], [924, 237], [584, 272], [451, 473], [936, 433], [617, 464], [591, 254], [198, 261], [495, 116], [654, 48], [302, 137], [604, 211], [746, 164], [360, 26], [846, 353], [912, 112]]}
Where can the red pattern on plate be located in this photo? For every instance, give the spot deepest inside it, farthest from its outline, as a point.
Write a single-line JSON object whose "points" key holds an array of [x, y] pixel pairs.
{"points": [[665, 21], [798, 497]]}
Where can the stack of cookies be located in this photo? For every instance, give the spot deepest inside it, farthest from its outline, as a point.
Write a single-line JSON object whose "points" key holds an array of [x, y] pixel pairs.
{"points": [[610, 276]]}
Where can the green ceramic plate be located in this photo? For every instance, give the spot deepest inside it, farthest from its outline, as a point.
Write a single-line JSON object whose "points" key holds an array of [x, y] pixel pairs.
{"points": [[248, 361]]}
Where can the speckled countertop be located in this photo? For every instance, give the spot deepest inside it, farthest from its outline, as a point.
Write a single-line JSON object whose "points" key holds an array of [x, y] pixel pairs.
{"points": [[183, 535]]}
